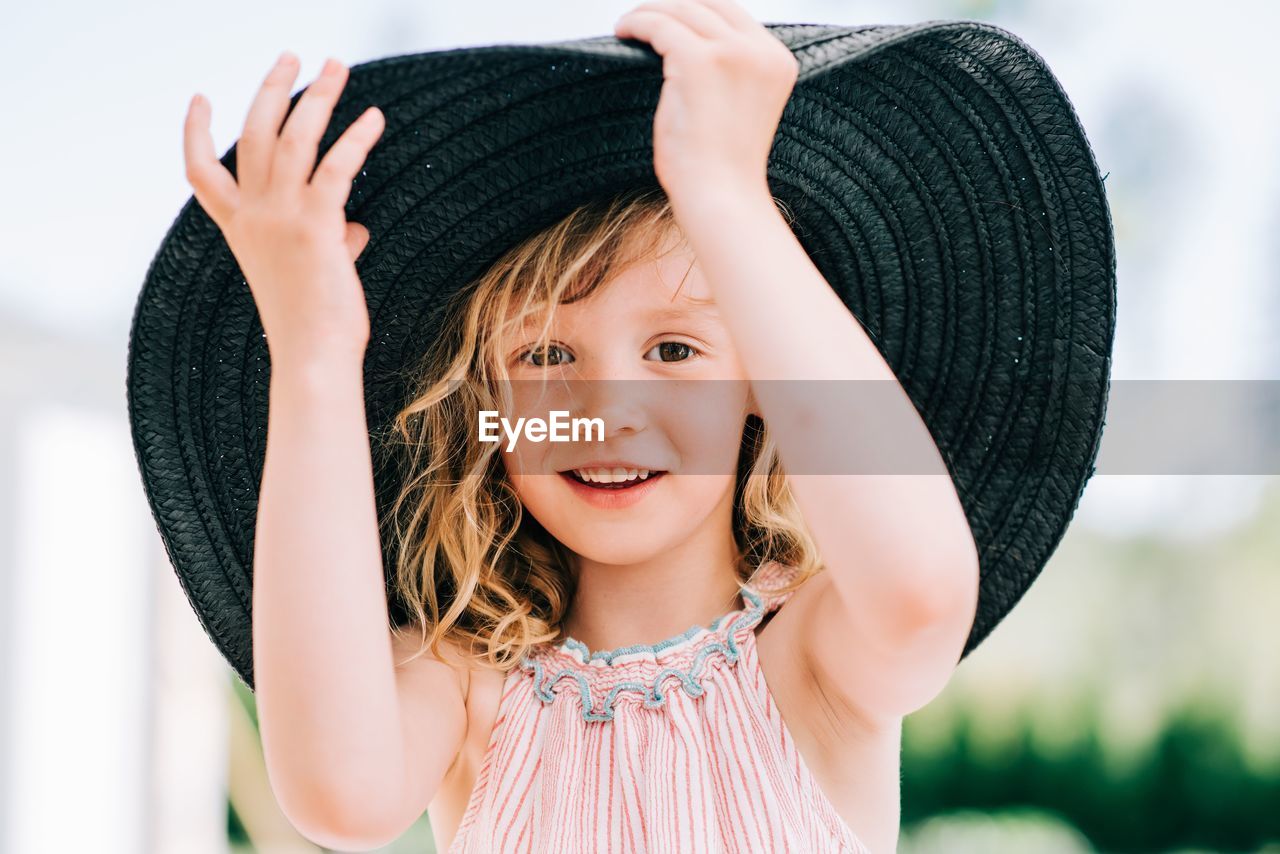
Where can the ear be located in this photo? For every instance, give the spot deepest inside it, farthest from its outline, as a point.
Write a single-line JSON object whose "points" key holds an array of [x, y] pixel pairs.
{"points": [[753, 408]]}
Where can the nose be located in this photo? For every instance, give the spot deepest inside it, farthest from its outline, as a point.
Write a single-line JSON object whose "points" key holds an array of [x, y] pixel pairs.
{"points": [[618, 402], [613, 388]]}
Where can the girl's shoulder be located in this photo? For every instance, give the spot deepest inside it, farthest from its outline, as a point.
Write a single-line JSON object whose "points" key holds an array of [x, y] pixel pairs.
{"points": [[482, 690], [409, 648], [450, 677]]}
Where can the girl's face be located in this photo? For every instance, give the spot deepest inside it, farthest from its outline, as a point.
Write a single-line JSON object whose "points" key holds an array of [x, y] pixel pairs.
{"points": [[656, 365]]}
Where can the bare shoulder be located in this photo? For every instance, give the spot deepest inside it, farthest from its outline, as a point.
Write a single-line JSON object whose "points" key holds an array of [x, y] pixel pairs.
{"points": [[475, 695], [427, 680], [432, 691], [854, 758], [784, 638], [448, 674]]}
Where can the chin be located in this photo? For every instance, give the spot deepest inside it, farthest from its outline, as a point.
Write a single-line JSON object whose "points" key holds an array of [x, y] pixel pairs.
{"points": [[612, 554], [621, 542]]}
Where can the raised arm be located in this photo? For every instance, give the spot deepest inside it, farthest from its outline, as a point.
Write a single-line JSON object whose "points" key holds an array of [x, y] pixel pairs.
{"points": [[355, 747]]}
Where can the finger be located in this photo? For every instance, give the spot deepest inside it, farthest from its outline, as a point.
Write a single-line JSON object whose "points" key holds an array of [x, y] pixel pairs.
{"points": [[295, 155], [214, 185], [696, 16], [735, 15], [331, 184], [357, 239], [262, 126], [663, 32]]}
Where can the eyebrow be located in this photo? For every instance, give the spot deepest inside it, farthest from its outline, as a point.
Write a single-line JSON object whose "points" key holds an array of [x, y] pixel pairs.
{"points": [[705, 308]]}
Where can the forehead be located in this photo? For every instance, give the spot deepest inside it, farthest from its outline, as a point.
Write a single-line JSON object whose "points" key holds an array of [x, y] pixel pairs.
{"points": [[666, 285], [667, 288]]}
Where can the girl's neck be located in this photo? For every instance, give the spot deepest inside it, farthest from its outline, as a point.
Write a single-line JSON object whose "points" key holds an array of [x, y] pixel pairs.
{"points": [[617, 605]]}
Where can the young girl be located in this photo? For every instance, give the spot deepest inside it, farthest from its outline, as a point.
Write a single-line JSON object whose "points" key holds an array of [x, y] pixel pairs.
{"points": [[614, 649]]}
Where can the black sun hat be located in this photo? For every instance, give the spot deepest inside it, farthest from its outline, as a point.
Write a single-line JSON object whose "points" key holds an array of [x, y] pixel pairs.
{"points": [[939, 179]]}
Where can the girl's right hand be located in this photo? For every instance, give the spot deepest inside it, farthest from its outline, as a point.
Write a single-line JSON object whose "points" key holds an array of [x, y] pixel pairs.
{"points": [[286, 227]]}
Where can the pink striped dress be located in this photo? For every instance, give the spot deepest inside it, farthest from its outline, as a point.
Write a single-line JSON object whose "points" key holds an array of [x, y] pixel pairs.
{"points": [[674, 747]]}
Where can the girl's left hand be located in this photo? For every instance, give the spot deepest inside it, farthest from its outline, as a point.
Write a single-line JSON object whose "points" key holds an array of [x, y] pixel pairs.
{"points": [[726, 82]]}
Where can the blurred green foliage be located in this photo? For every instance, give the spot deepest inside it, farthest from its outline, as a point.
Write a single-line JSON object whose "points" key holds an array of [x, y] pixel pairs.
{"points": [[1190, 788], [236, 835]]}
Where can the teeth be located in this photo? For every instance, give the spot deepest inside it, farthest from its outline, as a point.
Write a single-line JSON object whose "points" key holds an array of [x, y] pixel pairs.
{"points": [[616, 475]]}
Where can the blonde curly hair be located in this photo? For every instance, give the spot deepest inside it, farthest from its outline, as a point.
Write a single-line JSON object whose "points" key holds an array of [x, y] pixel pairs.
{"points": [[472, 567]]}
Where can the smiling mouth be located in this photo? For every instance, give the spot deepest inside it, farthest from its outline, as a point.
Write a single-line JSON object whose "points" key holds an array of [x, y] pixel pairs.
{"points": [[613, 486]]}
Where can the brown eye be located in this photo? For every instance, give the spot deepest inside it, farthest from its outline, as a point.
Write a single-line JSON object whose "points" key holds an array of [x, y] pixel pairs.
{"points": [[539, 359], [674, 351]]}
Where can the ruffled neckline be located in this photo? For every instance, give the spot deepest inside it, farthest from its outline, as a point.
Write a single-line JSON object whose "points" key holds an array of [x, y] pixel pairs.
{"points": [[646, 673]]}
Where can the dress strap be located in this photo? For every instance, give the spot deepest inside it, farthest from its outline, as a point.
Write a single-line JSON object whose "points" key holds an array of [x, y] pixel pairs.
{"points": [[767, 580]]}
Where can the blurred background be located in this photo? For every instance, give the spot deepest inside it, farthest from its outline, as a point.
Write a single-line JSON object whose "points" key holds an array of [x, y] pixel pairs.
{"points": [[1131, 701]]}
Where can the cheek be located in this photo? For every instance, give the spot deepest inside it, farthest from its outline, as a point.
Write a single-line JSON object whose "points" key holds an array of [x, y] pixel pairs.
{"points": [[709, 443], [697, 495], [525, 459], [535, 491]]}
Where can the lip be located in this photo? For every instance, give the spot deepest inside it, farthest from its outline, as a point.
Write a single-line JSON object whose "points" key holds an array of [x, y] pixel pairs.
{"points": [[611, 464], [612, 499]]}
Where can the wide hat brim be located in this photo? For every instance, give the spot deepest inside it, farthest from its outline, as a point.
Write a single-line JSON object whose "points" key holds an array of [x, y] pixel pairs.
{"points": [[940, 181]]}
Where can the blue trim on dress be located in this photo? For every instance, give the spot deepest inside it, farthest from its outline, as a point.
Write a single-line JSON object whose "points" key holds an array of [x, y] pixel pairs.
{"points": [[654, 697]]}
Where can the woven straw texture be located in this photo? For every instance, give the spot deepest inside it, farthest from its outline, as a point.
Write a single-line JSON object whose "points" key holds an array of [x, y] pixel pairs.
{"points": [[941, 182]]}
